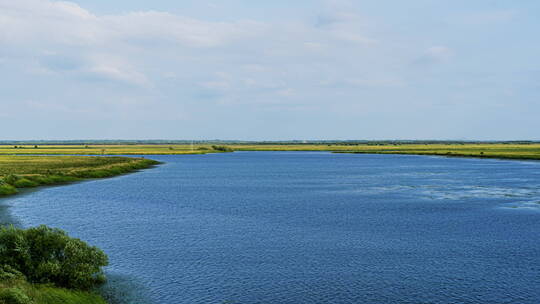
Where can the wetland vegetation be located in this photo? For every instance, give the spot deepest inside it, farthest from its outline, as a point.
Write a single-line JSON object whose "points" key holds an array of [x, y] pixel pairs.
{"points": [[511, 150]]}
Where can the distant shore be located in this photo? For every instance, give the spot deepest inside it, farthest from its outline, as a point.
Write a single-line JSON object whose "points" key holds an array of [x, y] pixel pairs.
{"points": [[502, 150]]}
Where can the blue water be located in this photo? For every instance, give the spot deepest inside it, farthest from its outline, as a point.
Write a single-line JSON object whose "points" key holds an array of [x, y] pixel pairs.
{"points": [[299, 227]]}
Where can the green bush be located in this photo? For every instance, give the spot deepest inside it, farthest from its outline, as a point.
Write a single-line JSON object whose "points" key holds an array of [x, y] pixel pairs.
{"points": [[222, 148], [8, 273], [25, 183], [48, 255], [11, 179], [7, 189], [14, 296]]}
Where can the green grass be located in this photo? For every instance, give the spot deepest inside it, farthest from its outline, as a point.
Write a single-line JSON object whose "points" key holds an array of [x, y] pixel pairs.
{"points": [[21, 292], [18, 172]]}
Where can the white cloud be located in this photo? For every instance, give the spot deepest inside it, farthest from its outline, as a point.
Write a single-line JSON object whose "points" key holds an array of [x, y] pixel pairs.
{"points": [[118, 74], [489, 17], [374, 81], [434, 55], [342, 56], [441, 53], [78, 38]]}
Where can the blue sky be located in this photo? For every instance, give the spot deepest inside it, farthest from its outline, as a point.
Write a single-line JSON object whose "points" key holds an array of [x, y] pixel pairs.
{"points": [[269, 70]]}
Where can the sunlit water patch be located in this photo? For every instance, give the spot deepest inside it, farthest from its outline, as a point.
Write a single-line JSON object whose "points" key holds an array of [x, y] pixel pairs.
{"points": [[270, 227]]}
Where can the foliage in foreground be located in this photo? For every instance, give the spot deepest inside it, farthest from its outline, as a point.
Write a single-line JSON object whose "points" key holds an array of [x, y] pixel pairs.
{"points": [[44, 266], [49, 256]]}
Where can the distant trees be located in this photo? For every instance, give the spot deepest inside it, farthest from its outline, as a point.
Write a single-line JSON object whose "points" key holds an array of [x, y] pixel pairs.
{"points": [[222, 148]]}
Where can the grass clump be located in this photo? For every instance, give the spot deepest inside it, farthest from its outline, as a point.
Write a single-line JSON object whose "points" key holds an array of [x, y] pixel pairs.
{"points": [[14, 296], [7, 189], [25, 183], [22, 292], [51, 295]]}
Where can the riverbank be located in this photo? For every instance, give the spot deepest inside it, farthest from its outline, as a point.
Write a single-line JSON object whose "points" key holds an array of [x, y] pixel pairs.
{"points": [[20, 172]]}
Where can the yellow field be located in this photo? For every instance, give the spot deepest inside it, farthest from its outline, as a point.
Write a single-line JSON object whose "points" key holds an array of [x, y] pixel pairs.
{"points": [[106, 149], [519, 151]]}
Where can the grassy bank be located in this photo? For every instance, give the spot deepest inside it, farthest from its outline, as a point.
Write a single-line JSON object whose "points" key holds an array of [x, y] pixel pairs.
{"points": [[493, 150], [17, 172]]}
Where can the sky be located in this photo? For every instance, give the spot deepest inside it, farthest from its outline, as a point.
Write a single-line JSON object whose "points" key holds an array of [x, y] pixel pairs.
{"points": [[270, 70]]}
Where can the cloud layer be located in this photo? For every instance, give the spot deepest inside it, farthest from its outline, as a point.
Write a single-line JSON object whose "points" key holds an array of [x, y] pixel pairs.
{"points": [[155, 74]]}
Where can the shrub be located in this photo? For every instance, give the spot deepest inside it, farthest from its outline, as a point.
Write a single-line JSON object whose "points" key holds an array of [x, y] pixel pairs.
{"points": [[8, 273], [222, 148], [11, 179], [25, 183], [14, 296], [48, 255], [7, 189]]}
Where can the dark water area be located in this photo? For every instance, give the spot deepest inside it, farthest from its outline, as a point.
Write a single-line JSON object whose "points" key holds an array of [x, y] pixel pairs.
{"points": [[299, 227]]}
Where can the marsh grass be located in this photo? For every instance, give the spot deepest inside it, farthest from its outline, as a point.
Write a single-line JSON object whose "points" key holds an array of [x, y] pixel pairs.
{"points": [[487, 150]]}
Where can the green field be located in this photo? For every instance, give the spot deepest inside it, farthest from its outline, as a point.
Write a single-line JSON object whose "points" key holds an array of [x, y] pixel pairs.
{"points": [[31, 171], [493, 150]]}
